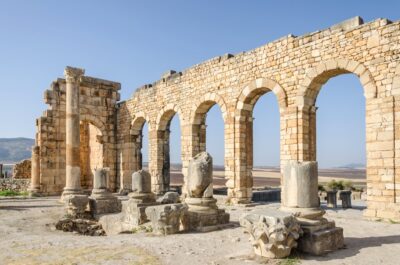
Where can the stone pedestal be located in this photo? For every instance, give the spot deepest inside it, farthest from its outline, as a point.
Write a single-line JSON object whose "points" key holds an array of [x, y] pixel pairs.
{"points": [[320, 236], [203, 213], [139, 199], [101, 200], [300, 197], [34, 189], [345, 197], [273, 233], [166, 219], [331, 199], [77, 206]]}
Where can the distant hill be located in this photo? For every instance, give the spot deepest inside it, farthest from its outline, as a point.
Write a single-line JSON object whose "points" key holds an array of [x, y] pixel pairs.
{"points": [[353, 166], [13, 150]]}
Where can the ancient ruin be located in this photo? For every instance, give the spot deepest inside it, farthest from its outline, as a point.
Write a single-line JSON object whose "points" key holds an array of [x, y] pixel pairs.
{"points": [[87, 126], [88, 141]]}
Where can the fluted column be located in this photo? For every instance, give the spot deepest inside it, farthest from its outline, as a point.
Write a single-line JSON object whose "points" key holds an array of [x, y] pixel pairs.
{"points": [[35, 171], [73, 170]]}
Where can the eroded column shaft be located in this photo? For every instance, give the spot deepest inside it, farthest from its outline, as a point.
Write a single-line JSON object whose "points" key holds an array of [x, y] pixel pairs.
{"points": [[73, 171]]}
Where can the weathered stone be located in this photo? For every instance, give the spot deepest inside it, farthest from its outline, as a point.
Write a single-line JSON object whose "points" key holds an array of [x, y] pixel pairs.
{"points": [[166, 219], [345, 197], [101, 200], [331, 198], [296, 79], [141, 187], [300, 184], [22, 169], [203, 213], [200, 181], [81, 226], [273, 234], [77, 205], [169, 197], [319, 239]]}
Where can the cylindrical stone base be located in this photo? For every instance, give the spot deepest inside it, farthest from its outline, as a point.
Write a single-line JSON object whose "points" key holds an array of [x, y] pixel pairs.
{"points": [[300, 184]]}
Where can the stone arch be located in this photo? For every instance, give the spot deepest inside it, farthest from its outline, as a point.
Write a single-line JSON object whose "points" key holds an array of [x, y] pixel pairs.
{"points": [[94, 121], [320, 74], [92, 148], [138, 121], [255, 89], [204, 104], [241, 183], [166, 114]]}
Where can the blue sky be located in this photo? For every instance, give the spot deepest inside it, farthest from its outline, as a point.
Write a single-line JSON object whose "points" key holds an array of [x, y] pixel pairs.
{"points": [[134, 42]]}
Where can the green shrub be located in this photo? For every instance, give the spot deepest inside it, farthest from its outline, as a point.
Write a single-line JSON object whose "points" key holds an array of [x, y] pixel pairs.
{"points": [[335, 185], [10, 193]]}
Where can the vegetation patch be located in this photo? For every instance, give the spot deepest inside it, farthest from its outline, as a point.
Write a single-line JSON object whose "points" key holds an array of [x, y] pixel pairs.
{"points": [[11, 193]]}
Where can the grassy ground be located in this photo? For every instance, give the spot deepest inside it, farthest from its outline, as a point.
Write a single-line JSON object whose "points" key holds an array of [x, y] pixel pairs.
{"points": [[11, 193]]}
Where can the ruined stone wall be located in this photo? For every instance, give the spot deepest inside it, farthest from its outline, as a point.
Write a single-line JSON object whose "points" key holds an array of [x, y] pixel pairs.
{"points": [[294, 69], [97, 107], [22, 170]]}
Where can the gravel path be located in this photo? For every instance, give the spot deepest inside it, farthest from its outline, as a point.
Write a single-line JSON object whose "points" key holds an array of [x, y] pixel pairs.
{"points": [[28, 237]]}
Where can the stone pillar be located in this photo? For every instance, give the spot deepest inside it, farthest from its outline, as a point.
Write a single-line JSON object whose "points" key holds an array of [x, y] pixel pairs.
{"points": [[300, 197], [73, 171], [300, 185], [35, 172]]}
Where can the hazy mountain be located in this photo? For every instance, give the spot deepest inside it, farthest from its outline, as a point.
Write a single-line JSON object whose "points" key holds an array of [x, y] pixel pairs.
{"points": [[13, 150], [353, 166]]}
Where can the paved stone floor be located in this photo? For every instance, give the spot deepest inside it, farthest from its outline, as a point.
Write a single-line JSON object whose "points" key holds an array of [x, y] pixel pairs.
{"points": [[28, 237]]}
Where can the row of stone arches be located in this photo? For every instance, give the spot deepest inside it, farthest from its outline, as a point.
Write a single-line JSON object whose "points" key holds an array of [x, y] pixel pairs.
{"points": [[298, 117]]}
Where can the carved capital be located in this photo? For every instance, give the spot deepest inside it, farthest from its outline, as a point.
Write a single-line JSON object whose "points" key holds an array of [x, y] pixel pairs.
{"points": [[73, 75]]}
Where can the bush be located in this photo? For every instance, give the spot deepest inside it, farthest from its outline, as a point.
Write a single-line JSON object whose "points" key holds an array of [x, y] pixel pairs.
{"points": [[10, 193], [335, 185]]}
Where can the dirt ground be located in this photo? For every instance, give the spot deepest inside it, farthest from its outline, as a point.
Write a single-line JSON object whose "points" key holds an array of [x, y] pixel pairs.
{"points": [[29, 237], [272, 177]]}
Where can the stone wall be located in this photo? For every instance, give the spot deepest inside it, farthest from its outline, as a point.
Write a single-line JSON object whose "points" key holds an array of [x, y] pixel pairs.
{"points": [[22, 170], [19, 185], [293, 68], [98, 109]]}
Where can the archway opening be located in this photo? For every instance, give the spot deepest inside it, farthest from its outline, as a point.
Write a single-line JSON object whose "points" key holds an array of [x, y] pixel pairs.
{"points": [[341, 134], [266, 142], [91, 153], [172, 168], [214, 145], [143, 148]]}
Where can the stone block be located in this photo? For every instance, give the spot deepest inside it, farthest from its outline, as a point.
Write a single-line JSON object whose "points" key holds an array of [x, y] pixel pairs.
{"points": [[169, 197], [321, 241], [110, 204], [166, 219], [273, 233]]}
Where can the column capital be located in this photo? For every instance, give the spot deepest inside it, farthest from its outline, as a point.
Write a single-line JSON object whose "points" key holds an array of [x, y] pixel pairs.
{"points": [[73, 74]]}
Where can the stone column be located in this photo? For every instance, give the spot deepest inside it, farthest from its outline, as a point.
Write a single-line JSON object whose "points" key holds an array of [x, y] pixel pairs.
{"points": [[73, 171], [35, 172]]}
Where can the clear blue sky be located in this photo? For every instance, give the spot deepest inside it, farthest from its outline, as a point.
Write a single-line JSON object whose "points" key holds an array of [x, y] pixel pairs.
{"points": [[134, 42]]}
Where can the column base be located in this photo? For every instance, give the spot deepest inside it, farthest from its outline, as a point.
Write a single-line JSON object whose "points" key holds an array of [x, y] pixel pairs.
{"points": [[34, 192], [320, 235], [68, 191]]}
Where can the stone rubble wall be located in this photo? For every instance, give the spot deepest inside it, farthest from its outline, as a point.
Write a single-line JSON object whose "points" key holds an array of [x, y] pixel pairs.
{"points": [[22, 170], [19, 185]]}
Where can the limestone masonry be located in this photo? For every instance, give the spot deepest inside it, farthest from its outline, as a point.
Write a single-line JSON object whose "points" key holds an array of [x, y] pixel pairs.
{"points": [[87, 127]]}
